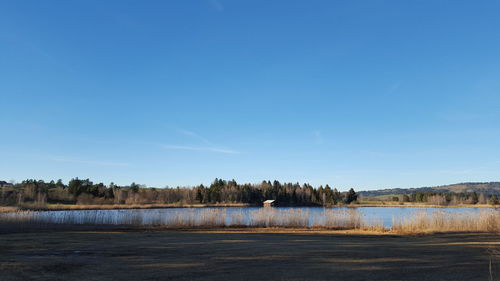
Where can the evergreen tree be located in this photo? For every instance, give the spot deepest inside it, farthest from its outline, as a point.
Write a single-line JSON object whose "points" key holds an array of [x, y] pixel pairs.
{"points": [[329, 195], [337, 196], [60, 184], [134, 187], [494, 200], [474, 198], [351, 196]]}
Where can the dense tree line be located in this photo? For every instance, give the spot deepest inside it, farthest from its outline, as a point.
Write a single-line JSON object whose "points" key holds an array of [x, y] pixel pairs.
{"points": [[84, 191], [448, 198]]}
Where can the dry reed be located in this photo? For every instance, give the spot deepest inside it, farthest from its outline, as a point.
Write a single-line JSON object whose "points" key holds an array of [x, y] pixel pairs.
{"points": [[443, 221], [8, 209], [272, 217], [345, 219]]}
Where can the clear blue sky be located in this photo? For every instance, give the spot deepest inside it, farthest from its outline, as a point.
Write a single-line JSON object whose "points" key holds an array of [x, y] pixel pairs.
{"points": [[364, 94]]}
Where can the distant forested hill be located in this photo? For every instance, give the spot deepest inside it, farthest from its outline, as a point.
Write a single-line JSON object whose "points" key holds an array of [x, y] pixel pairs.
{"points": [[487, 188]]}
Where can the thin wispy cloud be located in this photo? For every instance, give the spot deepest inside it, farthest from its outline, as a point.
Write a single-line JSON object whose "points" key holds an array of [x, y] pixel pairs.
{"points": [[87, 162], [393, 87], [468, 116], [474, 171], [201, 148], [318, 138], [21, 39], [194, 135], [217, 5]]}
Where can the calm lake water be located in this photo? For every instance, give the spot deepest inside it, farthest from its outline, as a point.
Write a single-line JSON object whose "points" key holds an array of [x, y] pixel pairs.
{"points": [[166, 216]]}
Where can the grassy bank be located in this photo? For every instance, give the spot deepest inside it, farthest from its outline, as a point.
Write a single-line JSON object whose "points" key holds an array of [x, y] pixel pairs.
{"points": [[7, 209], [62, 207], [440, 221]]}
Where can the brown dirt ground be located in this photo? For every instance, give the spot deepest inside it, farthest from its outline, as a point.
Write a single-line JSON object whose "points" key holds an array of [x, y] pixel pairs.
{"points": [[118, 254]]}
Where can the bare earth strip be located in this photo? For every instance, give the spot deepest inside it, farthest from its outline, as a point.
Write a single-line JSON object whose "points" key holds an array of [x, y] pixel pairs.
{"points": [[244, 255]]}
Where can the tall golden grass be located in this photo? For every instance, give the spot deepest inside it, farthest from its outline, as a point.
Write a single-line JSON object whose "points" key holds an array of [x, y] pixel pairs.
{"points": [[67, 207], [8, 209], [342, 219], [443, 221], [271, 217]]}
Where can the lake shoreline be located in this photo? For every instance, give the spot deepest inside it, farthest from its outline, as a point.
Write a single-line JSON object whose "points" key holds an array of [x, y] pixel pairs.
{"points": [[69, 207]]}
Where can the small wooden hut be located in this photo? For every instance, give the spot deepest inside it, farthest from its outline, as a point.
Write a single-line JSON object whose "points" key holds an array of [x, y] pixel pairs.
{"points": [[269, 203]]}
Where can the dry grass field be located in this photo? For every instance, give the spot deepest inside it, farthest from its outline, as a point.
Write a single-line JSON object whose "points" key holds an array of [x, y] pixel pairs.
{"points": [[112, 253]]}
